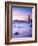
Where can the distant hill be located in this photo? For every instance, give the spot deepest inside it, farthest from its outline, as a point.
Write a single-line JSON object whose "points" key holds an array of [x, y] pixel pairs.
{"points": [[18, 21], [23, 21]]}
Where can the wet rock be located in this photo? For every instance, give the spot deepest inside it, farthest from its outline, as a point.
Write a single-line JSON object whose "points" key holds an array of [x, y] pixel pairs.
{"points": [[16, 33]]}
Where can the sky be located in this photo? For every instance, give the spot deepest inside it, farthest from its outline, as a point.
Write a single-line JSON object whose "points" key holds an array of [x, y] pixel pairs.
{"points": [[21, 13]]}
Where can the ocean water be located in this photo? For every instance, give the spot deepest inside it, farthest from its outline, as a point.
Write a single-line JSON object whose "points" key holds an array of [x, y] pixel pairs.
{"points": [[21, 30]]}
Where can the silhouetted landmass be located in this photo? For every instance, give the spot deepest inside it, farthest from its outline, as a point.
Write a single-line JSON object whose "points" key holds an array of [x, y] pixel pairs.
{"points": [[22, 21], [19, 21]]}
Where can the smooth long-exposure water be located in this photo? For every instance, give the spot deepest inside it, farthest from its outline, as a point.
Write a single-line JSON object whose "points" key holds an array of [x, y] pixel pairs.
{"points": [[20, 30]]}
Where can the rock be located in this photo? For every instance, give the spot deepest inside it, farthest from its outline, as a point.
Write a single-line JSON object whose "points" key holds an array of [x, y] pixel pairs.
{"points": [[16, 33]]}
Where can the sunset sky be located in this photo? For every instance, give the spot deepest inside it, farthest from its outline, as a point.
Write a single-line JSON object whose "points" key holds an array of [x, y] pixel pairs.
{"points": [[21, 13]]}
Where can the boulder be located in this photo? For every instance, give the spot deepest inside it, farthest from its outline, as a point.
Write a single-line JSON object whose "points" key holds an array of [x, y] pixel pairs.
{"points": [[16, 33]]}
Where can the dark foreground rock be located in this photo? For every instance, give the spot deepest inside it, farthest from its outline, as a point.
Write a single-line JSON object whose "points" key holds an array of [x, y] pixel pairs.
{"points": [[16, 33]]}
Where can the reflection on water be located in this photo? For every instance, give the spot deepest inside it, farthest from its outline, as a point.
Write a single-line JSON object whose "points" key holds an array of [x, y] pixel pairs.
{"points": [[20, 30]]}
